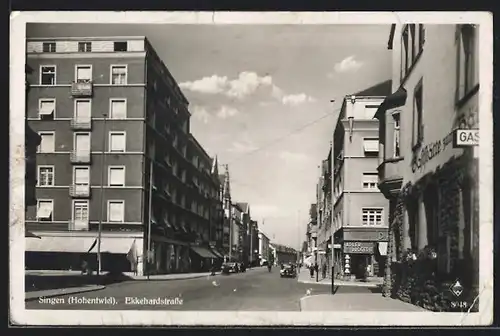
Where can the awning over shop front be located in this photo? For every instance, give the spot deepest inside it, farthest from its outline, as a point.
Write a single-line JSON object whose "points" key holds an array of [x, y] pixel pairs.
{"points": [[217, 254], [203, 252], [74, 244], [31, 235]]}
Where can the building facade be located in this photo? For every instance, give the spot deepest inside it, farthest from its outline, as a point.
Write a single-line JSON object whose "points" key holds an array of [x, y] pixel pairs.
{"points": [[114, 158], [254, 243], [360, 211], [263, 247], [431, 184], [283, 254]]}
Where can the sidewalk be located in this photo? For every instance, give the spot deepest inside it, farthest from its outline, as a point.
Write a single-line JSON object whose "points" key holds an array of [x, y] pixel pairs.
{"points": [[31, 296], [355, 302], [305, 277], [167, 277]]}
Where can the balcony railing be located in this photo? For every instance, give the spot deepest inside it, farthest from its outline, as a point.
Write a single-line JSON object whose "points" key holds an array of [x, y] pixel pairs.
{"points": [[79, 225], [81, 124], [81, 89], [79, 190], [80, 156]]}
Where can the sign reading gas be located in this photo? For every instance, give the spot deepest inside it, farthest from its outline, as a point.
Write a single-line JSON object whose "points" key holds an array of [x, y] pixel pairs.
{"points": [[466, 137]]}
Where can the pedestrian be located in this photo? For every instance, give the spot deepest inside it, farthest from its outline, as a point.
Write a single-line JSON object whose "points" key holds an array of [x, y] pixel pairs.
{"points": [[311, 271], [323, 271], [316, 268]]}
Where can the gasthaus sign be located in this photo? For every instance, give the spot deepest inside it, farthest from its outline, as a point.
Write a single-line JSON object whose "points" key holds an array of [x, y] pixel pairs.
{"points": [[466, 138]]}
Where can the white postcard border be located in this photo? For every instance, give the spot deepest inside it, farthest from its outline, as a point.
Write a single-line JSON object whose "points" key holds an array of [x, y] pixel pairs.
{"points": [[18, 314]]}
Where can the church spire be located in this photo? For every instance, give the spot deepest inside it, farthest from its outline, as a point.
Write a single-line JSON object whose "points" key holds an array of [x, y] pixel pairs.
{"points": [[227, 187], [215, 167]]}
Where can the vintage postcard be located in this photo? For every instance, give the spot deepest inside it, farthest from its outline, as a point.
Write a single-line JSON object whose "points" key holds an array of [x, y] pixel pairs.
{"points": [[199, 168]]}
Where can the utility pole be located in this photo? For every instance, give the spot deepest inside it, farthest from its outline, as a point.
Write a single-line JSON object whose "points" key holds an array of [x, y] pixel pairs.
{"points": [[332, 228], [103, 170]]}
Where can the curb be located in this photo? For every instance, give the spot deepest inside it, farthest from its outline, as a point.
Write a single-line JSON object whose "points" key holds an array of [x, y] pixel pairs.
{"points": [[85, 290], [174, 279]]}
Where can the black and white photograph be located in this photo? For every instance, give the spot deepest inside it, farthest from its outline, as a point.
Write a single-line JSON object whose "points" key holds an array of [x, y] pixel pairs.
{"points": [[253, 168]]}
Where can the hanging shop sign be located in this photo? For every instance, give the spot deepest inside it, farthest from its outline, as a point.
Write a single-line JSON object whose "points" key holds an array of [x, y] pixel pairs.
{"points": [[466, 138], [359, 247]]}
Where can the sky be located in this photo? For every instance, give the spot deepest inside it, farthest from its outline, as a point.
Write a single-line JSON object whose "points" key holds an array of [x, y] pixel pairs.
{"points": [[260, 98]]}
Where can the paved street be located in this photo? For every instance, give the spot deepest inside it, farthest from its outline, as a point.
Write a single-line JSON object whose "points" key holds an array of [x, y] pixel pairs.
{"points": [[255, 290]]}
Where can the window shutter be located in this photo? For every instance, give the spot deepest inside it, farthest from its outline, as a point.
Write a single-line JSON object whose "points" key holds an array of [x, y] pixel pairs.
{"points": [[47, 107], [116, 212], [82, 142], [118, 109], [117, 176], [82, 176], [83, 111], [44, 209], [84, 73], [47, 143]]}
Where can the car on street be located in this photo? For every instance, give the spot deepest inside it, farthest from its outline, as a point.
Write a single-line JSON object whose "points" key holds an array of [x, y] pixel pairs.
{"points": [[230, 267], [288, 271]]}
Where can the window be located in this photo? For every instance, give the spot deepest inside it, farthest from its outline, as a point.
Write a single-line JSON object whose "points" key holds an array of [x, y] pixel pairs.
{"points": [[396, 134], [417, 132], [412, 41], [116, 211], [83, 110], [117, 141], [48, 47], [48, 75], [372, 217], [82, 143], [370, 147], [46, 109], [84, 46], [404, 53], [116, 176], [467, 57], [83, 73], [81, 176], [118, 109], [370, 181], [81, 210], [45, 209], [120, 46], [47, 145], [119, 74], [45, 176]]}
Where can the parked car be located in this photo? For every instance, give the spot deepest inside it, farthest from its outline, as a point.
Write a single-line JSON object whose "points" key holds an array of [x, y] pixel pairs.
{"points": [[288, 271], [230, 267]]}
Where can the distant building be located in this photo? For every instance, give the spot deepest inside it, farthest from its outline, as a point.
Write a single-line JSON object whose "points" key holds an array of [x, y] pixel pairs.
{"points": [[263, 247], [283, 254]]}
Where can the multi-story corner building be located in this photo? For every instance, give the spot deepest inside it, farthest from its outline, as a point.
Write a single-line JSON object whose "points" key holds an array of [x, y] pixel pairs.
{"points": [[360, 211], [254, 243], [237, 233], [283, 254], [324, 213], [263, 247], [32, 141], [225, 197], [113, 164], [245, 231], [431, 184]]}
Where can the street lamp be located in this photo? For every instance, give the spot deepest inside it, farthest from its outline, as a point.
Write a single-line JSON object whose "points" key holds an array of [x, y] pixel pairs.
{"points": [[315, 239]]}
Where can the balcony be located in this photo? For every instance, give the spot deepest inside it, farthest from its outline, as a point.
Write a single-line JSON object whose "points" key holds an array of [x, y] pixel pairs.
{"points": [[79, 190], [79, 225], [390, 176], [81, 124], [79, 156], [82, 89]]}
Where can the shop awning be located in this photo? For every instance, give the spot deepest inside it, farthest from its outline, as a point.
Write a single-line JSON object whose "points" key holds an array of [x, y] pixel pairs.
{"points": [[73, 244], [217, 254], [203, 252], [393, 100], [31, 235]]}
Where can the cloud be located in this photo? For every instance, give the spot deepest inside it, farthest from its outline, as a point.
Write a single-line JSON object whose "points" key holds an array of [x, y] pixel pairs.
{"points": [[226, 112], [265, 210], [348, 64], [200, 113], [292, 156], [246, 84], [297, 99], [242, 147]]}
